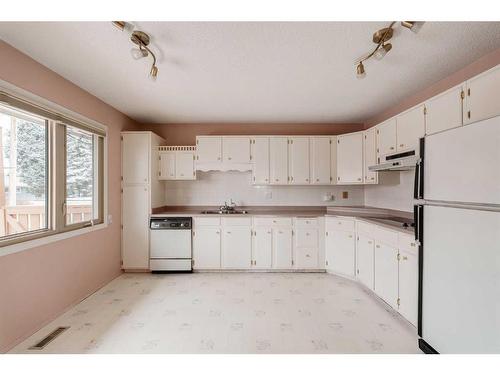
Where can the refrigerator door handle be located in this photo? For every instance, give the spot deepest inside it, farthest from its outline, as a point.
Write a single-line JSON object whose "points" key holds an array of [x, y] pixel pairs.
{"points": [[417, 181]]}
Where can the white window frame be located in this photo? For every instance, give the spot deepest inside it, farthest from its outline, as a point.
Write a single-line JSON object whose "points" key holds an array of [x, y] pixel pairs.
{"points": [[51, 235]]}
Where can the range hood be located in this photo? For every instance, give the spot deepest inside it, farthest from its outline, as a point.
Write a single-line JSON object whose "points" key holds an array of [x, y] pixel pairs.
{"points": [[403, 161]]}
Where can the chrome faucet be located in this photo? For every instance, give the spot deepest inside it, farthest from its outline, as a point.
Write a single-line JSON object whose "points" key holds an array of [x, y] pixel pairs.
{"points": [[228, 207]]}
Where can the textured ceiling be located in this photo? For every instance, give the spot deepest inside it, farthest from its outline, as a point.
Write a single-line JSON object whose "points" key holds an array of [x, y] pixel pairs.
{"points": [[252, 71]]}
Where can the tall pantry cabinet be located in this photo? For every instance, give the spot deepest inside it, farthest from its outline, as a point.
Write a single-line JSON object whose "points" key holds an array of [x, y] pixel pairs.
{"points": [[141, 192]]}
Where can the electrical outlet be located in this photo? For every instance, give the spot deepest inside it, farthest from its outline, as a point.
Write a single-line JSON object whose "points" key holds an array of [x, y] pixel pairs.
{"points": [[110, 219], [345, 195]]}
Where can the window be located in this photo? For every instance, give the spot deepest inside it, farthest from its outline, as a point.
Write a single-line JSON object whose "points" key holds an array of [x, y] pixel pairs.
{"points": [[23, 173], [51, 172]]}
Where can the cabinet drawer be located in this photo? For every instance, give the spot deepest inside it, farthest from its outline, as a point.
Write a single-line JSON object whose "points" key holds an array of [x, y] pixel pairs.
{"points": [[334, 223], [237, 221], [198, 221], [306, 222], [306, 237], [407, 242], [385, 236], [306, 258], [271, 221]]}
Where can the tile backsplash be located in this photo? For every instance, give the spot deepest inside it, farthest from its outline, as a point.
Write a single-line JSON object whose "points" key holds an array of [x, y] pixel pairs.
{"points": [[213, 188]]}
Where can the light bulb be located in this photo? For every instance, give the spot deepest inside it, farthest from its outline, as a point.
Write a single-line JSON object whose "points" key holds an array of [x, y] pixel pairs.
{"points": [[138, 53], [153, 73], [360, 71], [382, 51]]}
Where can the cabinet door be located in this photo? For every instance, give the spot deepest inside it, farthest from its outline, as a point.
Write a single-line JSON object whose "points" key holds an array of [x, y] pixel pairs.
{"points": [[410, 128], [444, 111], [167, 166], [278, 151], [236, 247], [320, 160], [341, 247], [386, 137], [184, 166], [386, 273], [483, 93], [208, 149], [365, 262], [282, 248], [263, 247], [260, 159], [298, 156], [333, 160], [236, 149], [370, 156], [135, 158], [408, 285], [207, 248], [135, 231], [350, 158]]}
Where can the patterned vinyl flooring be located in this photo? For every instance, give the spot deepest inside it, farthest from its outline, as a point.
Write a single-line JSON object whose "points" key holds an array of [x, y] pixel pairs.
{"points": [[229, 313]]}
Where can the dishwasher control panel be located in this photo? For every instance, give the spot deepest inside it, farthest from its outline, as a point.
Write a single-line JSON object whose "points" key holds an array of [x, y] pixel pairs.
{"points": [[170, 223]]}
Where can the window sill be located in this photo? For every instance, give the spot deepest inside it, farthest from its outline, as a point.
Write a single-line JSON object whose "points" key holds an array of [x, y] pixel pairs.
{"points": [[30, 244]]}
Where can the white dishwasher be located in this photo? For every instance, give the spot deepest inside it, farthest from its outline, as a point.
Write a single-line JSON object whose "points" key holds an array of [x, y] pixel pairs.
{"points": [[170, 244]]}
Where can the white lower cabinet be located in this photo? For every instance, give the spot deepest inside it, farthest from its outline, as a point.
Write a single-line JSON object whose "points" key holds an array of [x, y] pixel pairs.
{"points": [[206, 247], [386, 273], [236, 247], [408, 279], [365, 261], [135, 227], [262, 248], [340, 246], [282, 248]]}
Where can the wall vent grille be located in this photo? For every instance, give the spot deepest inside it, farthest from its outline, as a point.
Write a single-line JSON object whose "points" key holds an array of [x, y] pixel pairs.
{"points": [[176, 148], [47, 339]]}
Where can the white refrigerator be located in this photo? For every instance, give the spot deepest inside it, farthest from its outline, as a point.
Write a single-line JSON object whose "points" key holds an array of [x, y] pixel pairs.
{"points": [[457, 216]]}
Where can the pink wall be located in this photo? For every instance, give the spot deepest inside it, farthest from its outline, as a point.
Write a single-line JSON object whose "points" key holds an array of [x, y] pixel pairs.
{"points": [[484, 63], [185, 134], [37, 285]]}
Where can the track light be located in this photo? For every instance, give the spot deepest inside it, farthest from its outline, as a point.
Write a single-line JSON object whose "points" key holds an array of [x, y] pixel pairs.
{"points": [[141, 40], [381, 38], [360, 70]]}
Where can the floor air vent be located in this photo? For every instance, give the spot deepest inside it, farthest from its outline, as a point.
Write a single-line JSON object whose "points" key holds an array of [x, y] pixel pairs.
{"points": [[51, 336]]}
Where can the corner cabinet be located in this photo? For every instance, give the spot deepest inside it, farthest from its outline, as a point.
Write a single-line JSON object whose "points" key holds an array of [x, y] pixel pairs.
{"points": [[350, 159], [482, 96], [370, 156], [140, 194], [410, 128]]}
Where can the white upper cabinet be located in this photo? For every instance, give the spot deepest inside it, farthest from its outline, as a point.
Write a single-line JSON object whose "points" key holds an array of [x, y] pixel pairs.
{"points": [[298, 157], [260, 159], [444, 111], [350, 158], [410, 128], [184, 165], [236, 149], [136, 150], [333, 160], [386, 137], [278, 151], [482, 98], [167, 166], [370, 156], [320, 160], [208, 149]]}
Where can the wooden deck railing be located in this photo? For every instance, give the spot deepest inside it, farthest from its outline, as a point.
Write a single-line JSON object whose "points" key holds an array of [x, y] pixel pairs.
{"points": [[19, 219]]}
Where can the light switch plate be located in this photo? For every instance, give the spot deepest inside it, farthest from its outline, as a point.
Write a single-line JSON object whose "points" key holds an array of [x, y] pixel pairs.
{"points": [[345, 195]]}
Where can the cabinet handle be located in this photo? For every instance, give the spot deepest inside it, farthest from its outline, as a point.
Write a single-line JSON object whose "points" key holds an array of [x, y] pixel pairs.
{"points": [[217, 232], [340, 223], [373, 178], [228, 232], [308, 256], [218, 158], [369, 242], [277, 179], [405, 257], [412, 244], [350, 236], [229, 158], [280, 232], [265, 180], [359, 179], [377, 246], [317, 180], [401, 145], [307, 234], [392, 148], [307, 180], [268, 232]]}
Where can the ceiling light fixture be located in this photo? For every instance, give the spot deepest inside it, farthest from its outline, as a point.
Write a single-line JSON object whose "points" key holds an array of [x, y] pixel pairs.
{"points": [[141, 40], [381, 38]]}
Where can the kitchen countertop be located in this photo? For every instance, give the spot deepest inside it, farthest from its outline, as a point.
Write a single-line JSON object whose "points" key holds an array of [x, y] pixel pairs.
{"points": [[374, 215]]}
